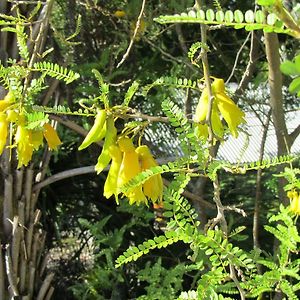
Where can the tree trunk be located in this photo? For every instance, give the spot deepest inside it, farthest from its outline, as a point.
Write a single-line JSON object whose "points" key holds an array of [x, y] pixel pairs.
{"points": [[22, 255]]}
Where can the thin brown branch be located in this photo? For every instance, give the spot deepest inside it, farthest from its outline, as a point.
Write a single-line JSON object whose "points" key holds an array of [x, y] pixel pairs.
{"points": [[137, 26], [140, 115], [255, 228], [42, 31], [253, 56], [64, 175], [235, 209], [193, 196], [170, 57], [70, 124], [52, 88], [237, 57], [293, 135]]}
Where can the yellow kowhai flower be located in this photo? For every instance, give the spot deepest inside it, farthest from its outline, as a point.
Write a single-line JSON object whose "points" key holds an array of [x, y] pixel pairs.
{"points": [[129, 168], [110, 186], [23, 140], [37, 138], [222, 106], [7, 101], [119, 13], [3, 131], [12, 115], [295, 201], [51, 136], [153, 187]]}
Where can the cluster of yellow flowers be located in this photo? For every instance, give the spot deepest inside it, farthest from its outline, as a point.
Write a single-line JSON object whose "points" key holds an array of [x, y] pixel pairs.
{"points": [[295, 201], [126, 162], [26, 141], [222, 106]]}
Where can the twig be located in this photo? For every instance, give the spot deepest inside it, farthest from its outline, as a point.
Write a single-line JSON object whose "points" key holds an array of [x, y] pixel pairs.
{"points": [[137, 26], [70, 124], [236, 209], [293, 135], [64, 175], [137, 114], [237, 57], [255, 230], [120, 83], [253, 56], [169, 56], [237, 283]]}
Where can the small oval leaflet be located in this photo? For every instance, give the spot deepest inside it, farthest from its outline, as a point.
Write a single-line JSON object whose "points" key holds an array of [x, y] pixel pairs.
{"points": [[238, 16], [210, 15], [249, 16]]}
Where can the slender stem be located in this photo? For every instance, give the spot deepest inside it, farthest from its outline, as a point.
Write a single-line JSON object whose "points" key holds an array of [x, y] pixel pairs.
{"points": [[255, 230], [137, 26]]}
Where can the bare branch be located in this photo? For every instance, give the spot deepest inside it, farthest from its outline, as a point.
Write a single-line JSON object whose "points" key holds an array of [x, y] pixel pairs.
{"points": [[64, 175], [293, 135], [137, 26], [238, 56], [253, 56]]}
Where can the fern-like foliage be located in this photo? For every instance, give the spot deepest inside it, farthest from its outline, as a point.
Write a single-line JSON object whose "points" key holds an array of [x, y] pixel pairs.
{"points": [[55, 71], [257, 165], [179, 211], [171, 82], [130, 93], [62, 110], [282, 273], [249, 20], [36, 120], [190, 144], [162, 283], [22, 42], [162, 241]]}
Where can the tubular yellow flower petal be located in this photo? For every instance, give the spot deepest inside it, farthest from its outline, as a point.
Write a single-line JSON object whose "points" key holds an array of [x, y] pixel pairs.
{"points": [[23, 140], [36, 138], [12, 116], [216, 123], [295, 201], [129, 168], [10, 97], [230, 112], [51, 136], [153, 187], [7, 101], [110, 186], [110, 139], [218, 86], [201, 130], [4, 104], [202, 107], [126, 144], [3, 131], [119, 13]]}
